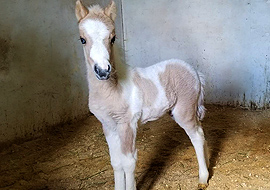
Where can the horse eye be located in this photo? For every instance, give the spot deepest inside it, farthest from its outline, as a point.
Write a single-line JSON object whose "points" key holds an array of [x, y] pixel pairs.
{"points": [[83, 40], [113, 40]]}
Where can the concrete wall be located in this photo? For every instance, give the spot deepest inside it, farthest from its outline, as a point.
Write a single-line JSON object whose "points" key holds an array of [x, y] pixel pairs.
{"points": [[229, 41], [42, 71]]}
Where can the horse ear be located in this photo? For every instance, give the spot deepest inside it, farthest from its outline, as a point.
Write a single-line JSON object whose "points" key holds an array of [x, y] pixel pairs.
{"points": [[110, 10], [80, 10]]}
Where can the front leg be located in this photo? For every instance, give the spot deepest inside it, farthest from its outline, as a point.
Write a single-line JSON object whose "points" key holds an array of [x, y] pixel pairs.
{"points": [[127, 134], [114, 144], [121, 144]]}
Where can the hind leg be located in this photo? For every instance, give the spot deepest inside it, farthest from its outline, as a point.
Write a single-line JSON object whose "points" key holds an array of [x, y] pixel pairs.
{"points": [[187, 119]]}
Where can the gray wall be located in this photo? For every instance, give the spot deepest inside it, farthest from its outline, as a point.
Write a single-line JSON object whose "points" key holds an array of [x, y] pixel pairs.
{"points": [[229, 41], [42, 71], [41, 75]]}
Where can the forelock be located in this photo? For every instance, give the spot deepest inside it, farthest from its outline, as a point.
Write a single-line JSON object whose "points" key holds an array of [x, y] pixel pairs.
{"points": [[98, 14]]}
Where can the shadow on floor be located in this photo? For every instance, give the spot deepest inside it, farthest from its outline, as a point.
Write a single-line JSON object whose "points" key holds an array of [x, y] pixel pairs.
{"points": [[214, 137], [169, 139]]}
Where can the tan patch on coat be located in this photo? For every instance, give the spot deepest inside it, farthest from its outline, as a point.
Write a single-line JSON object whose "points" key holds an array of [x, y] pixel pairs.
{"points": [[147, 87], [127, 138], [180, 87]]}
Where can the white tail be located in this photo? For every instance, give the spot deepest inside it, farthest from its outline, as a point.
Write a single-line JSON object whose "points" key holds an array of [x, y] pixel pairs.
{"points": [[201, 108]]}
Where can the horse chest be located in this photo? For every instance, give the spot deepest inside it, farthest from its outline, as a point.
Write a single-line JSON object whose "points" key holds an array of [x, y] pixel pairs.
{"points": [[108, 108]]}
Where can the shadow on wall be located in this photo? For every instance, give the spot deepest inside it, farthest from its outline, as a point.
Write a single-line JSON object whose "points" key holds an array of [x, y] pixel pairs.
{"points": [[41, 68]]}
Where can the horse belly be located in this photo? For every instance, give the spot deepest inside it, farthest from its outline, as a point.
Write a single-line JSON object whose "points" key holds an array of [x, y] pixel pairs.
{"points": [[153, 113]]}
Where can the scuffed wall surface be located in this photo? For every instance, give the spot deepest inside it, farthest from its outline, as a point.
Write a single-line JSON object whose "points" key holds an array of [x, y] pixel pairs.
{"points": [[41, 75], [229, 41], [42, 70]]}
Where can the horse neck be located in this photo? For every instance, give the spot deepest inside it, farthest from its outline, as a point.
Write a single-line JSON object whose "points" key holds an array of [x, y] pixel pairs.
{"points": [[101, 86]]}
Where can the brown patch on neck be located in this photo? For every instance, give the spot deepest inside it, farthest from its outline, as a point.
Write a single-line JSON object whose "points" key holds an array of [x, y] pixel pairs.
{"points": [[147, 87]]}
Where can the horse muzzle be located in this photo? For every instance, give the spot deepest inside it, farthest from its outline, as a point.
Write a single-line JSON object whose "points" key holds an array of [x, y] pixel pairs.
{"points": [[102, 74]]}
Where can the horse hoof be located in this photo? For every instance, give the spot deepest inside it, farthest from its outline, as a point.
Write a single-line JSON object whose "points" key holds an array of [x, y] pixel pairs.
{"points": [[202, 186]]}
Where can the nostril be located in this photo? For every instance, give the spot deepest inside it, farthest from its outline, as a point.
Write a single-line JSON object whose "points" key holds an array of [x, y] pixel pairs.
{"points": [[109, 68], [96, 69]]}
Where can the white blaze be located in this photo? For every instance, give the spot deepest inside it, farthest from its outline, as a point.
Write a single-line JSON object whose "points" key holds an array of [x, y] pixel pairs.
{"points": [[98, 32]]}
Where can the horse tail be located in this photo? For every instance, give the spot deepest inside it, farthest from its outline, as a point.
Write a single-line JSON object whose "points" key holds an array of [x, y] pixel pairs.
{"points": [[200, 106]]}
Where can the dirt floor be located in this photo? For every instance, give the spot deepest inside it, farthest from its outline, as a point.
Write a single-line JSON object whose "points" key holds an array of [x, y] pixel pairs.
{"points": [[76, 156]]}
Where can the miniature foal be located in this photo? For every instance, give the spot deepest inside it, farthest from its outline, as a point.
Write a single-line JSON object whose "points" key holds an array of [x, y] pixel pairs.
{"points": [[121, 96]]}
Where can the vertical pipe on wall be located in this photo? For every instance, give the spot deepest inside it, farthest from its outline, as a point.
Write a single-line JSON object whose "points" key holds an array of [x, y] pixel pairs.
{"points": [[123, 29]]}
